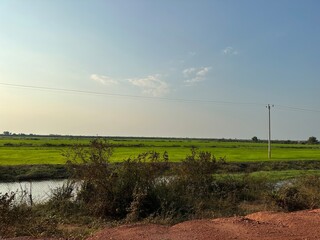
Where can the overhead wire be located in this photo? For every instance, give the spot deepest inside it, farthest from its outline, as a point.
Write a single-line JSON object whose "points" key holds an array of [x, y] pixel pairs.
{"points": [[297, 109], [292, 108], [125, 95]]}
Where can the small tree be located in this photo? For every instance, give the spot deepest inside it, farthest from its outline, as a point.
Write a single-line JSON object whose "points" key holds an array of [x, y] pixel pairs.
{"points": [[312, 140], [255, 139]]}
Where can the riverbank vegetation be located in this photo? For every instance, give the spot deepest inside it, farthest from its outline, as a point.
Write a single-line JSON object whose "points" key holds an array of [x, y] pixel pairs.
{"points": [[148, 187], [39, 172], [276, 170]]}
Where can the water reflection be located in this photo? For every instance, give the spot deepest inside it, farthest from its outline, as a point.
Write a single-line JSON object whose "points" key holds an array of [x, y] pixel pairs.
{"points": [[38, 191]]}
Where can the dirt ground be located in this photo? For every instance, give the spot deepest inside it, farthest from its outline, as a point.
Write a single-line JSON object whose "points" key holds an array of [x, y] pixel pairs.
{"points": [[302, 225]]}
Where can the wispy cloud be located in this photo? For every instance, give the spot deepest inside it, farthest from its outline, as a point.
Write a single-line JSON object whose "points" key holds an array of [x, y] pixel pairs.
{"points": [[230, 51], [195, 75], [151, 85], [103, 79]]}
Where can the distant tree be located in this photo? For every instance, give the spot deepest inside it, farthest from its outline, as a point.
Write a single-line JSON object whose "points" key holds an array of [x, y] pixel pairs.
{"points": [[255, 139], [312, 140], [6, 133]]}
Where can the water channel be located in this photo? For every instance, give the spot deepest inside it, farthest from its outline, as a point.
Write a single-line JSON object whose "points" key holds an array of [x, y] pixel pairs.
{"points": [[40, 190]]}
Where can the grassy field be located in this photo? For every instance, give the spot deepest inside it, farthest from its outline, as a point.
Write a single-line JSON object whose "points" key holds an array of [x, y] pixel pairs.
{"points": [[274, 176], [46, 150]]}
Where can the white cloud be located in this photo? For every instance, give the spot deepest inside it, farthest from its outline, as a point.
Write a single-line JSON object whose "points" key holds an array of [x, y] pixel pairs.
{"points": [[188, 71], [103, 79], [195, 75], [230, 51], [151, 85], [203, 71]]}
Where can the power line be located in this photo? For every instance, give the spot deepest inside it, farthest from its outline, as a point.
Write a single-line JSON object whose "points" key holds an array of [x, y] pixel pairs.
{"points": [[298, 109], [126, 95], [152, 98]]}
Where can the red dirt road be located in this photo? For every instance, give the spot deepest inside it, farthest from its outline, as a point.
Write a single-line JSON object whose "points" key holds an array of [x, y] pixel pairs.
{"points": [[303, 225]]}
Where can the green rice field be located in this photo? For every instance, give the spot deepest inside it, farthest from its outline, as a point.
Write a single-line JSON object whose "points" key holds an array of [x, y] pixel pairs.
{"points": [[274, 176], [49, 150]]}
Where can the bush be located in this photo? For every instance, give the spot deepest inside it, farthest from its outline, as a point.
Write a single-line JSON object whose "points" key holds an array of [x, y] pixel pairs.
{"points": [[6, 207], [20, 219], [147, 186], [300, 194], [117, 190], [9, 222]]}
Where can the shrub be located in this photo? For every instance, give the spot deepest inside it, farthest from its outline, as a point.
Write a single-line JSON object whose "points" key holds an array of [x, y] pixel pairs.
{"points": [[20, 219], [9, 222], [147, 185], [299, 194], [6, 207], [117, 190]]}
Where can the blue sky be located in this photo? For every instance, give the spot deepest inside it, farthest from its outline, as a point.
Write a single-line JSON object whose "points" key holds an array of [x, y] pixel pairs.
{"points": [[246, 53]]}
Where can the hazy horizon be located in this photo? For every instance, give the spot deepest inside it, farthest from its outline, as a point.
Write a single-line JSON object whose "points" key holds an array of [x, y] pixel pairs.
{"points": [[142, 137], [195, 69]]}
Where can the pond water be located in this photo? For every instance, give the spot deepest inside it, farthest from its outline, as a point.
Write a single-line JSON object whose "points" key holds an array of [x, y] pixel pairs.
{"points": [[39, 190]]}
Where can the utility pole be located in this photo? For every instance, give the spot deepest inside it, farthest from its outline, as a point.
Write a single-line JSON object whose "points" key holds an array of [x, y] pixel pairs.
{"points": [[269, 137]]}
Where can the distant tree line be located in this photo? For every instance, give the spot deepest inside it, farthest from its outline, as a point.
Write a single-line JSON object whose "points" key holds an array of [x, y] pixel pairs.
{"points": [[310, 140], [7, 133]]}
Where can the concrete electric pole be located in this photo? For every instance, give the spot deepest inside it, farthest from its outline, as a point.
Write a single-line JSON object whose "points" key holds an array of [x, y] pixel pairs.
{"points": [[269, 137]]}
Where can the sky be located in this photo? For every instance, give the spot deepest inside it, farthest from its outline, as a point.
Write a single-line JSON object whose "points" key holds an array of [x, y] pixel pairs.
{"points": [[170, 68]]}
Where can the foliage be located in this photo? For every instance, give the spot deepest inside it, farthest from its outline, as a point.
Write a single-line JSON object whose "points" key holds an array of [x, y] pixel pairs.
{"points": [[302, 193], [147, 186], [32, 172], [6, 205], [20, 219], [312, 140], [151, 186], [255, 139], [116, 190]]}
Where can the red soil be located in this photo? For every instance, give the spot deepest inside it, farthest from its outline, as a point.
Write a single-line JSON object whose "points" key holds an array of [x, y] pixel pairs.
{"points": [[302, 225]]}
